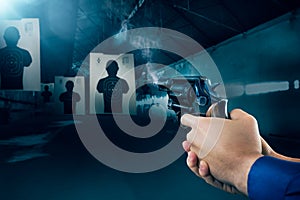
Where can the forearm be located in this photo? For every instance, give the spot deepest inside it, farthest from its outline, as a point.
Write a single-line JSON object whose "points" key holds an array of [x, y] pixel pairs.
{"points": [[282, 157], [268, 151]]}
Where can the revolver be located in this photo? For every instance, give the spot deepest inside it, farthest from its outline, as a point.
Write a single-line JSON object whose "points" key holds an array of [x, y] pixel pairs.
{"points": [[193, 95]]}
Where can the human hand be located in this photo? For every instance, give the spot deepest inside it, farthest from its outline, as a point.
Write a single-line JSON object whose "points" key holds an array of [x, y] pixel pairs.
{"points": [[201, 169], [231, 155]]}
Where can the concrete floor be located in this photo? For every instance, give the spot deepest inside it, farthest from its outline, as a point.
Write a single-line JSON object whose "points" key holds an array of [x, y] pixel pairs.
{"points": [[42, 157]]}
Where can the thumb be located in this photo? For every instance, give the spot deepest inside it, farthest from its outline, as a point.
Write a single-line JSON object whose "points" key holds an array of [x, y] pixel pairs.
{"points": [[237, 114]]}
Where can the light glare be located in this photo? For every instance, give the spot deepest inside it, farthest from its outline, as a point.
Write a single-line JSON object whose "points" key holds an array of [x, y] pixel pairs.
{"points": [[4, 7]]}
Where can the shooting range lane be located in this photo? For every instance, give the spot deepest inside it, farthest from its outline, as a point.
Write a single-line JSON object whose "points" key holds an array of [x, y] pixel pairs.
{"points": [[60, 166]]}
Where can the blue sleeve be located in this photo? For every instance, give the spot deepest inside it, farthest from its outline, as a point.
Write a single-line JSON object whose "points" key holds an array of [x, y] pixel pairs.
{"points": [[271, 178]]}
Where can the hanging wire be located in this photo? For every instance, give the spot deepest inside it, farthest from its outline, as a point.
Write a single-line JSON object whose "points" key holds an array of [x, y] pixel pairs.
{"points": [[207, 19]]}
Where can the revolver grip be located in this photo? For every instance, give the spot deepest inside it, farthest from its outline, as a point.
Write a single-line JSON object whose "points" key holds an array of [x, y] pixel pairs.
{"points": [[219, 109]]}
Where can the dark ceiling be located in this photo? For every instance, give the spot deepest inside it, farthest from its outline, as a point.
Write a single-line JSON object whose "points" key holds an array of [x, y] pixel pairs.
{"points": [[70, 29]]}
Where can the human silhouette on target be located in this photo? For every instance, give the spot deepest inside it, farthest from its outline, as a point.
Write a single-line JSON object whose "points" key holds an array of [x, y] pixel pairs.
{"points": [[113, 88], [69, 98], [46, 94], [12, 61]]}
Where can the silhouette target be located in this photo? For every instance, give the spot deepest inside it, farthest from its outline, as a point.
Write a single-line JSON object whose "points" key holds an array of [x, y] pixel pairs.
{"points": [[113, 91], [13, 63]]}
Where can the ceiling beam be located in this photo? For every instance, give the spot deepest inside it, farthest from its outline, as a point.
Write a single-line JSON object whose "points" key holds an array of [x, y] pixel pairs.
{"points": [[207, 19], [194, 26], [233, 15]]}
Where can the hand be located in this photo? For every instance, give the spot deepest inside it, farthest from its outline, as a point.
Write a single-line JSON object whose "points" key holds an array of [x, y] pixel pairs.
{"points": [[201, 169], [231, 156]]}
